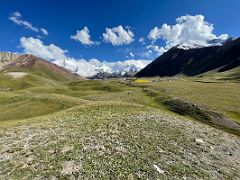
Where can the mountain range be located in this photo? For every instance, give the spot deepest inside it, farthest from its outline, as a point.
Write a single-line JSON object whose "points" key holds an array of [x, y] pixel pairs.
{"points": [[189, 59], [193, 59], [94, 67]]}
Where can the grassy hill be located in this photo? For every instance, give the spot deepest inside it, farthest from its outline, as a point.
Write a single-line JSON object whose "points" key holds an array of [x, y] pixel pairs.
{"points": [[66, 128], [233, 75], [108, 129], [24, 74]]}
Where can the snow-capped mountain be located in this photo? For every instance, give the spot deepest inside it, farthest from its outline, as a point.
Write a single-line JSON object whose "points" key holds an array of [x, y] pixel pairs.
{"points": [[129, 71], [92, 67], [190, 45], [196, 45], [195, 61]]}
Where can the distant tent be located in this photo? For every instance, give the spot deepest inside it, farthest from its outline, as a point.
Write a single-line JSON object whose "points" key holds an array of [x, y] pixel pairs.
{"points": [[143, 80]]}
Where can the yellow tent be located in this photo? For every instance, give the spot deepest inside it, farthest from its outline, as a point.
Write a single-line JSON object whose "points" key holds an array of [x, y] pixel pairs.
{"points": [[143, 81]]}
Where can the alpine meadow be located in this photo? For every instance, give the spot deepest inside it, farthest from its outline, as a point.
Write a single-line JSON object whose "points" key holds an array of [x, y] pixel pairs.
{"points": [[127, 90]]}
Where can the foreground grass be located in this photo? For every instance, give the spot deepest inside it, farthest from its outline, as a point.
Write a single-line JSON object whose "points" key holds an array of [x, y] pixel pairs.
{"points": [[114, 130], [116, 141]]}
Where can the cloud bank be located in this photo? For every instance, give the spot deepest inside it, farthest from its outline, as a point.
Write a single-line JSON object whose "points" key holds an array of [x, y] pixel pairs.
{"points": [[86, 68]]}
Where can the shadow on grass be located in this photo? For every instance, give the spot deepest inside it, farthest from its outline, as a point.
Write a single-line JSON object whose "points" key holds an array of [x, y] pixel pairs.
{"points": [[197, 112], [203, 114]]}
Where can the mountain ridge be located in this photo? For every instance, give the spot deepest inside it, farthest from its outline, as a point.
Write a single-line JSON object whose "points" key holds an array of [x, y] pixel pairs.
{"points": [[191, 62], [10, 62]]}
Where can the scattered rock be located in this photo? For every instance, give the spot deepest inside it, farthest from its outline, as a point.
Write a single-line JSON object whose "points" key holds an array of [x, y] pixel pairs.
{"points": [[130, 177], [66, 149], [70, 168], [199, 141], [122, 150], [160, 171]]}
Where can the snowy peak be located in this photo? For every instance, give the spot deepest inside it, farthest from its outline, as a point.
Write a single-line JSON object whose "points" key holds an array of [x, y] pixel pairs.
{"points": [[190, 45], [93, 67], [212, 42], [196, 61]]}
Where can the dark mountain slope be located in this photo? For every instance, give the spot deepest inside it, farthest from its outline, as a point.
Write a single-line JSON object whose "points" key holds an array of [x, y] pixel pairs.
{"points": [[194, 61]]}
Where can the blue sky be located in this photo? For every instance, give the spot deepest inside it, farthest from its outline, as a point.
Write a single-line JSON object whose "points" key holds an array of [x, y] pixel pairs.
{"points": [[63, 18]]}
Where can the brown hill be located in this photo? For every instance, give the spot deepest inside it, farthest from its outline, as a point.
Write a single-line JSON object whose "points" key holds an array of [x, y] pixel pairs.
{"points": [[32, 64]]}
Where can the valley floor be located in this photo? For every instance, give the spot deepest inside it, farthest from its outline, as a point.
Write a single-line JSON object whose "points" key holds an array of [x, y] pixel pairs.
{"points": [[117, 130]]}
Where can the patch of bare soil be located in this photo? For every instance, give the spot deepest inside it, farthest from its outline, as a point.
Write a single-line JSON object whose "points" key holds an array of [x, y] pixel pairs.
{"points": [[17, 75]]}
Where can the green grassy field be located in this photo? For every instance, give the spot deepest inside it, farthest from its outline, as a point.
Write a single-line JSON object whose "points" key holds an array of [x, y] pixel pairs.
{"points": [[112, 129], [220, 96]]}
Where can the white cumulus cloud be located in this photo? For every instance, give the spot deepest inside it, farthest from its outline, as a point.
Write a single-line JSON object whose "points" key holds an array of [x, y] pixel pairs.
{"points": [[17, 18], [118, 36], [84, 37], [36, 47], [86, 68], [154, 48], [187, 29]]}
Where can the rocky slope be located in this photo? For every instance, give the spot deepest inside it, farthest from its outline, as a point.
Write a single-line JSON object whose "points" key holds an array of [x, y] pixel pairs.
{"points": [[191, 62], [32, 64], [4, 56]]}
